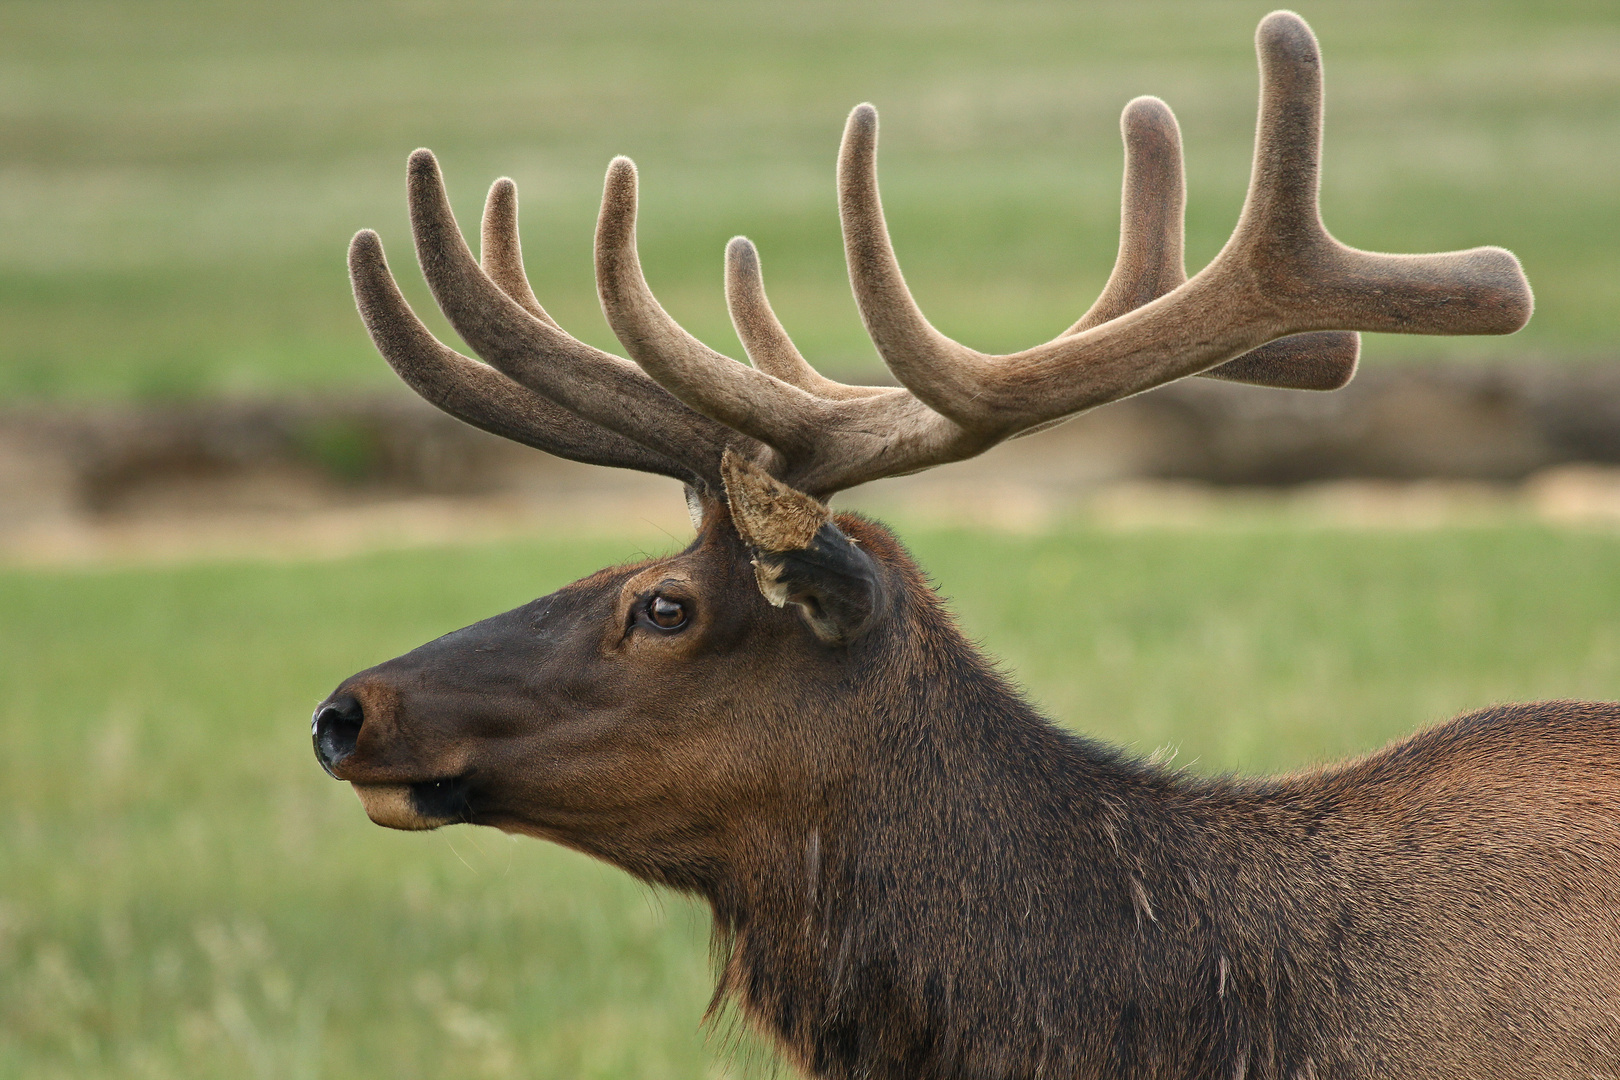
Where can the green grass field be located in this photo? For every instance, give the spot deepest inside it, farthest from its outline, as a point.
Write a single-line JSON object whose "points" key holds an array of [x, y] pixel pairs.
{"points": [[180, 177], [183, 893]]}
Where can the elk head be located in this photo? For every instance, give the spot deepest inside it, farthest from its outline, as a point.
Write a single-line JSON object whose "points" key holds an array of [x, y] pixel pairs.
{"points": [[667, 714]]}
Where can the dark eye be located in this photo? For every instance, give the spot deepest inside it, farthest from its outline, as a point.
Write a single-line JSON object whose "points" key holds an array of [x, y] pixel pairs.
{"points": [[666, 614]]}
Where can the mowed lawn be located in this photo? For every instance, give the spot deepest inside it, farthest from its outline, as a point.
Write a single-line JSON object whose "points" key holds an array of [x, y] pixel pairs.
{"points": [[180, 177], [184, 894]]}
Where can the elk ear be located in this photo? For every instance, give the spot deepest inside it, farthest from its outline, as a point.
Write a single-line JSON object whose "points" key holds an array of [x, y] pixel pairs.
{"points": [[800, 556]]}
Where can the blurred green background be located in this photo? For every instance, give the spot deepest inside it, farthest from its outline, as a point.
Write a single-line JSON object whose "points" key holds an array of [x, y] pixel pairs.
{"points": [[178, 179], [184, 894]]}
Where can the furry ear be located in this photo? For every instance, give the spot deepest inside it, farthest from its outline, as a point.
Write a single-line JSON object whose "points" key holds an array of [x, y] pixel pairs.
{"points": [[800, 556]]}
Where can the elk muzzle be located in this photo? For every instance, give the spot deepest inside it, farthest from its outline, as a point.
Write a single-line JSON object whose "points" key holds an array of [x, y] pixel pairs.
{"points": [[426, 804]]}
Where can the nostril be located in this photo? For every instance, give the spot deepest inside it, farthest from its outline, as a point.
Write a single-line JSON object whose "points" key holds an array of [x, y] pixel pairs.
{"points": [[336, 729]]}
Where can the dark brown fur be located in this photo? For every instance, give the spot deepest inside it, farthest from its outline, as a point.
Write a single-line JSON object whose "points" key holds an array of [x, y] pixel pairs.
{"points": [[919, 877]]}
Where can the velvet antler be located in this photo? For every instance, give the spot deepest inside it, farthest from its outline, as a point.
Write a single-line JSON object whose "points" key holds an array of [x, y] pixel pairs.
{"points": [[1279, 306]]}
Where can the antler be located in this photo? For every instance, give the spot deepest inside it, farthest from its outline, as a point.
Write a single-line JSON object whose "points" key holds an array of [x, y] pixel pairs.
{"points": [[1278, 306]]}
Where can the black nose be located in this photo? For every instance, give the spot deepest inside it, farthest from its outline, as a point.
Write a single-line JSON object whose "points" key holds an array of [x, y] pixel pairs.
{"points": [[336, 727]]}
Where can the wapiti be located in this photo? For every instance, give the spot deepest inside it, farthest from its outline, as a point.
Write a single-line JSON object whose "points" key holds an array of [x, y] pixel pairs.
{"points": [[914, 875]]}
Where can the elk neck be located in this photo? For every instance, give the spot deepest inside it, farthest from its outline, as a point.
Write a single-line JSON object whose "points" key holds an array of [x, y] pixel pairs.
{"points": [[979, 888]]}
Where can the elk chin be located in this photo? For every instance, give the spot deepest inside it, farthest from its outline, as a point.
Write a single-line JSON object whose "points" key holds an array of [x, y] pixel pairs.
{"points": [[402, 806]]}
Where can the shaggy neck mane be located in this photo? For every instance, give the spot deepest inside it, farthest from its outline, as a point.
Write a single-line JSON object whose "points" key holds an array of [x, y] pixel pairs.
{"points": [[983, 892]]}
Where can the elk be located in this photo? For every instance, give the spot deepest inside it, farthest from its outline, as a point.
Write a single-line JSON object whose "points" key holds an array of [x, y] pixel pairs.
{"points": [[912, 873]]}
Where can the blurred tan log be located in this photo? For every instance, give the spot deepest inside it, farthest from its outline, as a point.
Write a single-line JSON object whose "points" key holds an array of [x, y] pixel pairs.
{"points": [[377, 457]]}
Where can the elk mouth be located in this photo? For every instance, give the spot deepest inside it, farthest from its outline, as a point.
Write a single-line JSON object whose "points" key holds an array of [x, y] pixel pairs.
{"points": [[419, 804]]}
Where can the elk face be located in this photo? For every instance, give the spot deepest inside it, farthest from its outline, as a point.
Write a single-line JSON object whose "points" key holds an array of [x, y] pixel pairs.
{"points": [[629, 714]]}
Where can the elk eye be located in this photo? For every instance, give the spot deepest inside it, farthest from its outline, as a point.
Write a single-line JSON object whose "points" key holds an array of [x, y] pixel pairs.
{"points": [[666, 614]]}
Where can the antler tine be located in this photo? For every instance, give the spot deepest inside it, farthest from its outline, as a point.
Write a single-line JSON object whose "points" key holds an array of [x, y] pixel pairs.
{"points": [[1318, 360], [500, 252], [750, 401], [595, 385], [763, 337], [943, 374], [1152, 209], [1280, 274], [1151, 261], [474, 392]]}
